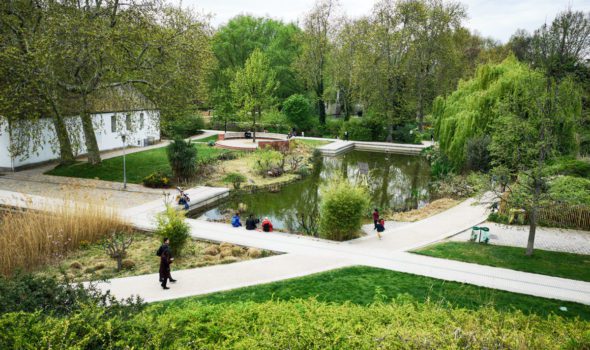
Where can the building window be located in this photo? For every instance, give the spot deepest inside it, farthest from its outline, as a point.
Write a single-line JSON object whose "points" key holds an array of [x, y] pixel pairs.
{"points": [[114, 123], [141, 122], [128, 123]]}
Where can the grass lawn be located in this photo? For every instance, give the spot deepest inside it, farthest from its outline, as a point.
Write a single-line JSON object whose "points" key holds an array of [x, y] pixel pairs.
{"points": [[365, 285], [207, 139], [139, 165], [566, 265], [91, 261], [313, 143]]}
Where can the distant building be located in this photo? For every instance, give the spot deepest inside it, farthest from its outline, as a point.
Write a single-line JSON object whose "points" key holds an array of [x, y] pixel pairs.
{"points": [[26, 143]]}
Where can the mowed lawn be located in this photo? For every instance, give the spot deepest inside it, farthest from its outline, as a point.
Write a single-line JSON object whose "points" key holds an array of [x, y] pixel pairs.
{"points": [[366, 285], [566, 265], [139, 165]]}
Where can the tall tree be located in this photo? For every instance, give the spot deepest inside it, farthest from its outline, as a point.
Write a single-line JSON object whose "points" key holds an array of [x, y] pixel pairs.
{"points": [[254, 87], [433, 24], [234, 42], [29, 89], [316, 46]]}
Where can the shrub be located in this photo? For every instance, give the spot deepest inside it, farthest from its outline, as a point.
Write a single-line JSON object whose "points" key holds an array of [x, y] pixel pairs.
{"points": [[28, 293], [186, 126], [570, 190], [211, 143], [571, 167], [275, 121], [477, 153], [440, 166], [297, 109], [128, 264], [267, 161], [157, 180], [401, 324], [183, 159], [116, 245], [405, 133], [341, 210], [236, 179], [170, 224]]}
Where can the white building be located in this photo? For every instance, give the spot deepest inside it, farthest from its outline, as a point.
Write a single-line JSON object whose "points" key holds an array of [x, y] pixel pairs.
{"points": [[31, 143]]}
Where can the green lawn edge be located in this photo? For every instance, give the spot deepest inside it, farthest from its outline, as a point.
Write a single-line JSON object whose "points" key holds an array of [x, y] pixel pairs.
{"points": [[363, 285], [544, 262]]}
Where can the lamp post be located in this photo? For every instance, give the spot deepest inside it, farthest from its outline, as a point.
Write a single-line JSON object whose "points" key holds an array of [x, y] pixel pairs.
{"points": [[123, 138]]}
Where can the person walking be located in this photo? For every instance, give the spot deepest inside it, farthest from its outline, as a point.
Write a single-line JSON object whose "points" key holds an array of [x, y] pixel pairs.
{"points": [[165, 260], [375, 218], [380, 227], [346, 135]]}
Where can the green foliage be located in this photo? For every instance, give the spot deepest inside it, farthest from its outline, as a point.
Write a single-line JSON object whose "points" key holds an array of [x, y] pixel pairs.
{"points": [[570, 190], [268, 160], [440, 166], [157, 179], [342, 209], [368, 128], [51, 296], [280, 325], [275, 121], [493, 101], [570, 166], [182, 157], [185, 126], [235, 41], [170, 224], [298, 111], [477, 153], [236, 179]]}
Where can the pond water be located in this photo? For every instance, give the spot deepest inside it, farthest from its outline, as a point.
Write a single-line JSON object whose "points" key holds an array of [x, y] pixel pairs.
{"points": [[395, 181]]}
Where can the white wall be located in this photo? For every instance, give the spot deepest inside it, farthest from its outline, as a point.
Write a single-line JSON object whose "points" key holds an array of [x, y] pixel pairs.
{"points": [[46, 146]]}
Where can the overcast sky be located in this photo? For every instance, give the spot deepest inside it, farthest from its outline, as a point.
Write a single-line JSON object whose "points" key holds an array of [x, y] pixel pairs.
{"points": [[498, 19]]}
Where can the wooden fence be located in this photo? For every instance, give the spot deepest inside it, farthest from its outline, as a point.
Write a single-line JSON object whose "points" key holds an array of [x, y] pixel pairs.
{"points": [[560, 215]]}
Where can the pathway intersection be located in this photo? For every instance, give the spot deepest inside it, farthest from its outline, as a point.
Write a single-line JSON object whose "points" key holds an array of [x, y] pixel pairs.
{"points": [[305, 255]]}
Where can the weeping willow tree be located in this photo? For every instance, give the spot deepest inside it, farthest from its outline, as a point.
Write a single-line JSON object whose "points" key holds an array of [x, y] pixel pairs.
{"points": [[473, 109]]}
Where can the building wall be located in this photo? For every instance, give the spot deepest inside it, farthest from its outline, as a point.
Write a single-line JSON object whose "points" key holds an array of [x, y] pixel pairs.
{"points": [[108, 128]]}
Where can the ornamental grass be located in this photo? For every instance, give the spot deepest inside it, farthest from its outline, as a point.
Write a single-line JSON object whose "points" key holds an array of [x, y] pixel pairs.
{"points": [[32, 238]]}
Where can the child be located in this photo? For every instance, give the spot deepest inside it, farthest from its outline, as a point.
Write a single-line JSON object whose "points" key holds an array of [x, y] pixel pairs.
{"points": [[380, 227]]}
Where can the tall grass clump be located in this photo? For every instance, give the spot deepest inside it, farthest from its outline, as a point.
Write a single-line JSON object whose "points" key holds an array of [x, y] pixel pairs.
{"points": [[33, 238]]}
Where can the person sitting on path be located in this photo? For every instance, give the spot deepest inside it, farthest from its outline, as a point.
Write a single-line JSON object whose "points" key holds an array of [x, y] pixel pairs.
{"points": [[375, 218], [380, 227], [165, 260], [251, 222], [183, 198], [266, 225], [235, 220]]}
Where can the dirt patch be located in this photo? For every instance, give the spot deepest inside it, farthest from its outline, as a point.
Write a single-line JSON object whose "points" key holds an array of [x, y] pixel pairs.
{"points": [[433, 208]]}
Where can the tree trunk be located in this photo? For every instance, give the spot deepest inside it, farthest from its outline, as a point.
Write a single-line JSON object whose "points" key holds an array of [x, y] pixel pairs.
{"points": [[119, 263], [389, 133], [532, 231], [66, 155], [89, 135], [420, 113], [254, 125], [322, 110]]}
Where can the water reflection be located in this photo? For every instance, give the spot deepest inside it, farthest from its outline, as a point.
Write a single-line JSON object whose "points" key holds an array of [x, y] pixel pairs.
{"points": [[394, 181]]}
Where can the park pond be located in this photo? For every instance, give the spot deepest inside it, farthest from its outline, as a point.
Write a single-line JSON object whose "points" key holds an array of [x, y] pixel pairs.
{"points": [[398, 182]]}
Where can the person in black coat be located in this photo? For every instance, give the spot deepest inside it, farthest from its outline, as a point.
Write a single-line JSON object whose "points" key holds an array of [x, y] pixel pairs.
{"points": [[251, 223], [165, 260]]}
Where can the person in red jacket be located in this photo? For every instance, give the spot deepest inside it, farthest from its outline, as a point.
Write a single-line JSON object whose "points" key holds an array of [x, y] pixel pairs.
{"points": [[266, 225], [375, 218]]}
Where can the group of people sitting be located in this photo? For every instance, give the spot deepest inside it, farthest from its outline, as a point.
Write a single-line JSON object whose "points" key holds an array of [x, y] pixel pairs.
{"points": [[252, 223]]}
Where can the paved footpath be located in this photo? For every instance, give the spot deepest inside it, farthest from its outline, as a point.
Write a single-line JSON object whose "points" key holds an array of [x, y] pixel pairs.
{"points": [[306, 255]]}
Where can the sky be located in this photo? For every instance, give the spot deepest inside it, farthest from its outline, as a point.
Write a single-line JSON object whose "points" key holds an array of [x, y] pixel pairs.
{"points": [[497, 19]]}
